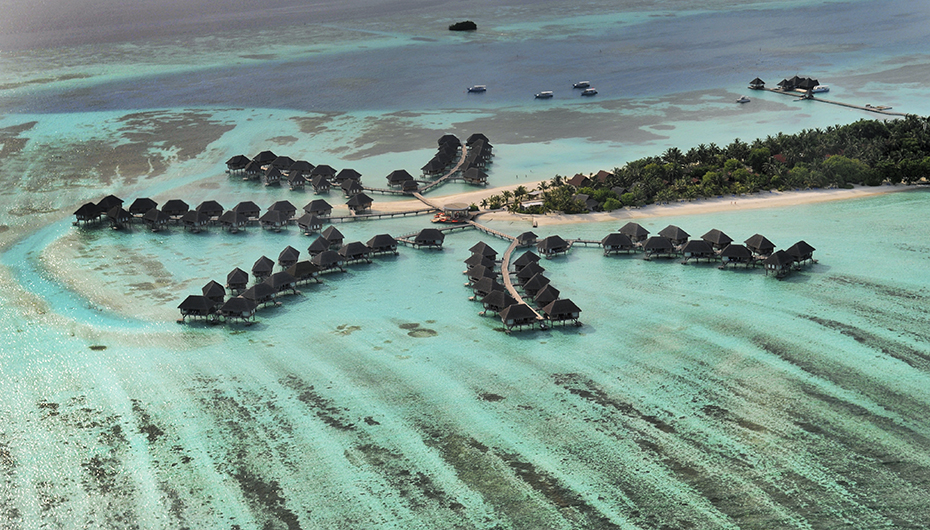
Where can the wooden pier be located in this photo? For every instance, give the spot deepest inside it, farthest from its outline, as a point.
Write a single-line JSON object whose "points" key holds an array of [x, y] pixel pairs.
{"points": [[365, 216], [491, 231], [803, 96], [508, 283]]}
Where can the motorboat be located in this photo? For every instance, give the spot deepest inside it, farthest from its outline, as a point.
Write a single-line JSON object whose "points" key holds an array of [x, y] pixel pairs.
{"points": [[820, 88], [589, 92], [743, 99], [478, 88], [545, 94], [582, 84]]}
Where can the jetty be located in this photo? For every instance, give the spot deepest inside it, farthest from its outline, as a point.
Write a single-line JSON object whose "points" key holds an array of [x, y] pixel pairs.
{"points": [[508, 283]]}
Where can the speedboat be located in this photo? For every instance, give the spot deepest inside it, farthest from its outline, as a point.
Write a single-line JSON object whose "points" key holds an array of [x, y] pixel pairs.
{"points": [[478, 88], [545, 94], [582, 84], [820, 88], [743, 99], [589, 92]]}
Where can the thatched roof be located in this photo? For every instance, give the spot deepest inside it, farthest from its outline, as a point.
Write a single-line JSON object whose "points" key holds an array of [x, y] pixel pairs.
{"points": [[483, 249], [526, 238], [525, 259], [284, 207], [302, 166], [535, 283], [352, 187], [759, 244], [617, 240], [280, 281], [800, 251], [282, 162], [657, 244], [175, 207], [327, 259], [359, 201], [354, 250], [674, 233], [259, 293], [318, 207], [238, 306], [87, 211], [485, 285], [478, 259], [214, 290], [288, 256], [247, 208], [551, 244], [480, 271], [118, 215], [332, 234], [475, 138], [529, 270], [142, 205], [634, 231], [325, 170], [210, 208], [346, 174], [779, 260], [449, 139], [236, 278], [736, 253], [428, 235], [498, 299], [318, 245], [263, 267], [265, 157], [273, 217], [717, 238], [237, 162], [518, 314], [546, 294], [231, 218], [562, 309], [272, 174], [108, 202], [399, 175], [410, 185], [156, 217], [196, 304], [303, 270], [697, 247], [195, 218], [382, 242], [309, 222], [319, 182]]}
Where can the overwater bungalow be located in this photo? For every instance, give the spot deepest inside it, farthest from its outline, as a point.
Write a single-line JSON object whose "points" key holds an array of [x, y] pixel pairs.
{"points": [[320, 244], [778, 264], [175, 208], [485, 285], [301, 166], [197, 306], [273, 220], [552, 246], [483, 249], [434, 168], [525, 259], [676, 235], [296, 180], [354, 252], [351, 187], [141, 205], [635, 232], [88, 212], [615, 243], [236, 164], [477, 259], [517, 316], [328, 260], [562, 311], [347, 174], [237, 280], [736, 254], [658, 246], [287, 209], [323, 170], [155, 219], [309, 223], [260, 294], [249, 209], [195, 221], [359, 203], [272, 176], [262, 268], [238, 308], [253, 170], [474, 175], [214, 292], [449, 140], [382, 244], [801, 252], [528, 271], [535, 284], [282, 282], [409, 186], [527, 239], [717, 239], [288, 257], [476, 137], [265, 157], [334, 236], [232, 222], [759, 245], [757, 84], [698, 249], [108, 203], [496, 300], [478, 272], [282, 163], [211, 209], [547, 294], [397, 177], [430, 238], [118, 217], [305, 271], [319, 207], [320, 184]]}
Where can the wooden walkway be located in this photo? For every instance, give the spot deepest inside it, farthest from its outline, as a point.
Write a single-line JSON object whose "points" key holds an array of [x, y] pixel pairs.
{"points": [[407, 239], [800, 95], [585, 242], [508, 283], [491, 231], [448, 175], [364, 216]]}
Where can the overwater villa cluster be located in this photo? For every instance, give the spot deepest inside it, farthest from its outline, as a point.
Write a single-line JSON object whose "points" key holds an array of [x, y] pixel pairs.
{"points": [[672, 242], [239, 301]]}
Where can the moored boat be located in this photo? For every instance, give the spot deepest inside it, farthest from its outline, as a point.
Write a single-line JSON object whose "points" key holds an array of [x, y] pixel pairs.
{"points": [[820, 88], [582, 84], [743, 99], [545, 94], [478, 88], [589, 92]]}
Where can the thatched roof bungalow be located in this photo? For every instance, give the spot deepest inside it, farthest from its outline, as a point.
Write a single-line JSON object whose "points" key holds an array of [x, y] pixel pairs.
{"points": [[347, 174], [238, 308], [354, 252], [779, 264], [430, 238], [296, 180], [87, 213], [474, 175], [547, 294], [658, 246], [485, 285], [517, 315], [483, 249], [175, 208], [551, 246], [497, 300], [272, 176], [801, 252], [237, 280], [273, 220], [232, 221], [527, 239], [304, 271], [237, 163], [265, 157], [212, 209], [282, 163], [288, 257], [323, 170], [318, 245], [318, 207], [214, 292], [259, 294], [635, 232], [535, 284], [141, 205], [197, 306], [674, 234], [253, 170], [382, 244], [528, 271], [286, 208], [301, 166], [118, 216], [262, 268], [359, 203], [615, 243], [476, 137], [334, 236], [397, 177], [328, 260], [561, 311], [525, 259], [351, 187], [760, 245], [156, 219], [281, 282], [735, 254], [717, 239], [320, 184], [249, 209], [309, 223], [449, 140], [477, 259], [195, 221], [697, 249]]}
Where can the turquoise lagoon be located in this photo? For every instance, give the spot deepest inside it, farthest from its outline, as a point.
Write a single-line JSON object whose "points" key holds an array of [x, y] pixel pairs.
{"points": [[690, 398]]}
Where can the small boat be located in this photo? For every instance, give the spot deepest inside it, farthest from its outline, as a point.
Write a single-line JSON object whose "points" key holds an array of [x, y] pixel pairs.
{"points": [[820, 88], [445, 218], [582, 84], [478, 88], [545, 94], [877, 107], [589, 92], [743, 99]]}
